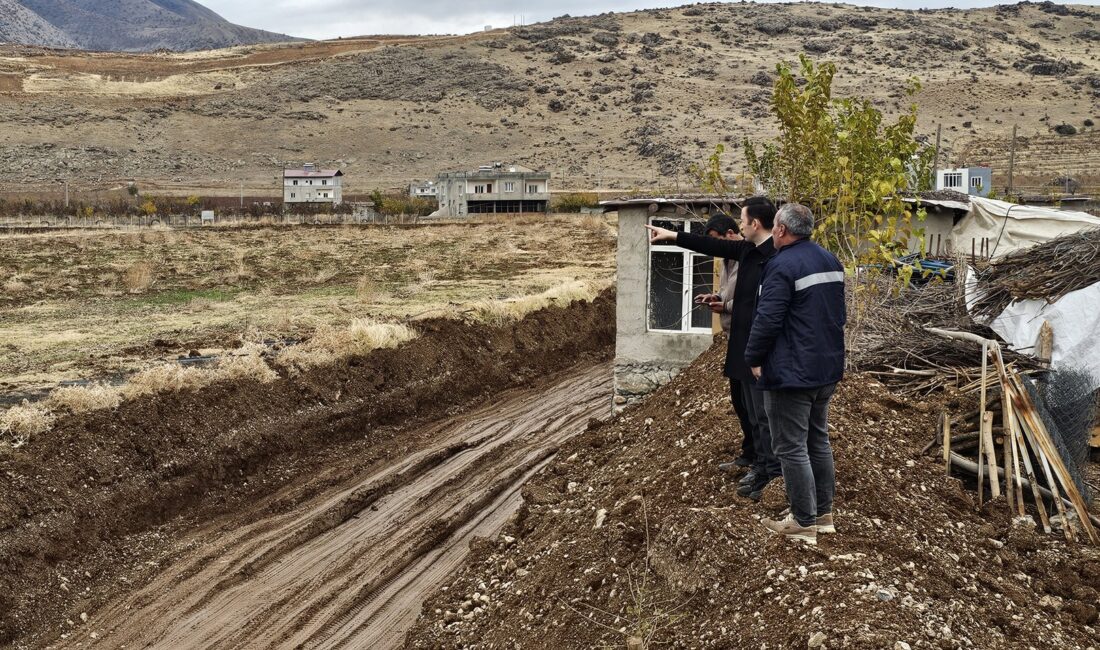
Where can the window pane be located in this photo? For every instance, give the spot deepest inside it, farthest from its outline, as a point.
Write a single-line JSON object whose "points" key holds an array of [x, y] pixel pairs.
{"points": [[698, 227], [702, 274], [666, 287]]}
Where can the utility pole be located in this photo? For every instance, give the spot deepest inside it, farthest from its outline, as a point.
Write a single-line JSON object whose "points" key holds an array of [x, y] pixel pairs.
{"points": [[242, 195], [936, 163], [1011, 159], [66, 194]]}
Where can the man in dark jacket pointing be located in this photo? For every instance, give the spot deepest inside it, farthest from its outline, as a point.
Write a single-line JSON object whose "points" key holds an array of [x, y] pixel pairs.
{"points": [[796, 352], [757, 217]]}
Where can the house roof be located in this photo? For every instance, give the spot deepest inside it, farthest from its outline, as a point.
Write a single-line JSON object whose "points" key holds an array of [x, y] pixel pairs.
{"points": [[675, 199], [316, 173]]}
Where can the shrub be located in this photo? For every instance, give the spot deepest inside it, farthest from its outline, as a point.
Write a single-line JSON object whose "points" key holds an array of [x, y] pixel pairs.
{"points": [[331, 344], [246, 364], [83, 399], [21, 423], [499, 312], [574, 202]]}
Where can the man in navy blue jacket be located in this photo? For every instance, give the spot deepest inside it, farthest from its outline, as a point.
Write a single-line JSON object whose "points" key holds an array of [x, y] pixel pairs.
{"points": [[796, 352], [757, 217]]}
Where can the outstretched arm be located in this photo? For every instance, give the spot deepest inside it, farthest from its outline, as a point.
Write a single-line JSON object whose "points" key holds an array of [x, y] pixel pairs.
{"points": [[713, 246]]}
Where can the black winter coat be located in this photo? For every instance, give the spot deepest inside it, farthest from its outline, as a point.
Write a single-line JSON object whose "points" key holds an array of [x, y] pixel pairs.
{"points": [[750, 259]]}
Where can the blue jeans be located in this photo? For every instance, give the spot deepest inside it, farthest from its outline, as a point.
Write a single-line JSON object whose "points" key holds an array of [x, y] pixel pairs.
{"points": [[800, 439]]}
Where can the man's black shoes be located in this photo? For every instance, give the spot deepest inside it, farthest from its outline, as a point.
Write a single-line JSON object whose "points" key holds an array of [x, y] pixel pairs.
{"points": [[755, 489]]}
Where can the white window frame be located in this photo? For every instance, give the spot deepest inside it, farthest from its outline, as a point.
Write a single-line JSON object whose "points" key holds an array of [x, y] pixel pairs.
{"points": [[952, 180], [295, 182], [509, 186], [533, 189], [292, 195], [976, 182], [688, 274], [324, 182]]}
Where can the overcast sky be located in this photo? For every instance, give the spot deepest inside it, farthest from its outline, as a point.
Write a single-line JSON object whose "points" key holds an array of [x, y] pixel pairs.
{"points": [[332, 18]]}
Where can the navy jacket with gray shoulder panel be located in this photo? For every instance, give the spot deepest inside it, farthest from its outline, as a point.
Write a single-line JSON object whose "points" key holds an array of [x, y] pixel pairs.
{"points": [[797, 336]]}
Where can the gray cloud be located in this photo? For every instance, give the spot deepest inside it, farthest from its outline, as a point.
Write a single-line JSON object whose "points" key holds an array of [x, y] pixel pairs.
{"points": [[332, 18]]}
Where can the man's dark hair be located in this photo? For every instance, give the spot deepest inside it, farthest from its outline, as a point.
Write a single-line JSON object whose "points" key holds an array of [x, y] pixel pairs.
{"points": [[762, 209], [722, 224]]}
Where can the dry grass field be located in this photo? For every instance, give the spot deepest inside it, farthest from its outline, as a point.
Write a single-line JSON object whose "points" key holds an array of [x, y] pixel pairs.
{"points": [[100, 305]]}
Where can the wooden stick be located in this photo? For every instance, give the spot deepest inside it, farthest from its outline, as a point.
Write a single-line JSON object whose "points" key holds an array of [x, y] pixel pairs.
{"points": [[1006, 423], [982, 426], [990, 452], [1026, 457], [1016, 466], [946, 443], [1067, 527]]}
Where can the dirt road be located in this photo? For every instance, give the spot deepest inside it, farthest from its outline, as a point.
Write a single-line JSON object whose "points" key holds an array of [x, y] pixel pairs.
{"points": [[349, 566]]}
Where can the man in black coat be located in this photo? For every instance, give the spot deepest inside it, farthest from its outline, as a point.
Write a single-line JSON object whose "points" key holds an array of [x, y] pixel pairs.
{"points": [[757, 218]]}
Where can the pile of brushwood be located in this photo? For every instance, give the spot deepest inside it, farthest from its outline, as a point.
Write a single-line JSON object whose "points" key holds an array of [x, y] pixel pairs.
{"points": [[888, 336], [1044, 272]]}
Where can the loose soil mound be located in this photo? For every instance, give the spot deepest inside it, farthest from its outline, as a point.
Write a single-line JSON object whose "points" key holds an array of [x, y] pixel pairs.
{"points": [[633, 531], [72, 493]]}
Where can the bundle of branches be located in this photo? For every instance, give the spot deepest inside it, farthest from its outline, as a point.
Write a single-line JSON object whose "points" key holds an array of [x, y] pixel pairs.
{"points": [[887, 336], [1045, 272]]}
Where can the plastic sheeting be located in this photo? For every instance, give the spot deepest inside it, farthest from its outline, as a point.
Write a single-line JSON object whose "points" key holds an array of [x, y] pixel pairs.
{"points": [[1010, 227], [1075, 320]]}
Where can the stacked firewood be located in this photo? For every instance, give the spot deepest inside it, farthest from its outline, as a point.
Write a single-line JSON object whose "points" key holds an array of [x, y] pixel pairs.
{"points": [[1031, 464]]}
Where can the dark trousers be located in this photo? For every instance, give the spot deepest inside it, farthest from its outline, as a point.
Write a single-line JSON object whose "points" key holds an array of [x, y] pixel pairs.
{"points": [[738, 402], [765, 462], [800, 439]]}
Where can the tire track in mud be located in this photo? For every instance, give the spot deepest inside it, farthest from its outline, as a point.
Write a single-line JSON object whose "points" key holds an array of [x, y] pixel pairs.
{"points": [[349, 567]]}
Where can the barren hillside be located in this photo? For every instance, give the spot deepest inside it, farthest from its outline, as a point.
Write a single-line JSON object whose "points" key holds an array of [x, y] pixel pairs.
{"points": [[612, 101]]}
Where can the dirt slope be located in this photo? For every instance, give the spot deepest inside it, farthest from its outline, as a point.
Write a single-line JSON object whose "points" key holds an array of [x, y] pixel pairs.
{"points": [[348, 568], [86, 508], [615, 101], [632, 530]]}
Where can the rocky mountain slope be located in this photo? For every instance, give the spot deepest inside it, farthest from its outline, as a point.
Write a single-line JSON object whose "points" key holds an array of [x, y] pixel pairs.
{"points": [[123, 25], [615, 101]]}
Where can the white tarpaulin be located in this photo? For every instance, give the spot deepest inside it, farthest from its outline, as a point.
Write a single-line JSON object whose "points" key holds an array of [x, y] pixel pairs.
{"points": [[1075, 319], [1009, 227]]}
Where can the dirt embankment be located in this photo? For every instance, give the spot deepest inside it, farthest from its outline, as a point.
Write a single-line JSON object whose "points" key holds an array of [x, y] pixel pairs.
{"points": [[69, 497], [632, 530]]}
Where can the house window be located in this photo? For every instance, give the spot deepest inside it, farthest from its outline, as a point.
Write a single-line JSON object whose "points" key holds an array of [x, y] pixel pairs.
{"points": [[532, 189], [976, 182], [509, 186], [952, 180], [292, 195], [295, 182], [480, 189], [676, 276], [324, 182]]}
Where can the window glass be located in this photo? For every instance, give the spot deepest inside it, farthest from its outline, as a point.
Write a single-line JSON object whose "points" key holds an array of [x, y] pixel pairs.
{"points": [[702, 280], [668, 224], [666, 290]]}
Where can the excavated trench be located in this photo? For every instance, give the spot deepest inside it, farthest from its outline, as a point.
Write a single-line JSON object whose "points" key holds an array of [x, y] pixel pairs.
{"points": [[315, 512]]}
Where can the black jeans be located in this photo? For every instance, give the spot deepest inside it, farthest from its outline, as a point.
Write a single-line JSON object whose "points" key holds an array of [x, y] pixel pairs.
{"points": [[765, 462], [738, 402], [800, 439]]}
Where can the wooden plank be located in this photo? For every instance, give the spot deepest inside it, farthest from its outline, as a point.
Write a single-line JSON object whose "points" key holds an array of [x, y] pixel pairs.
{"points": [[1044, 346], [991, 454], [981, 428], [945, 427], [1026, 457]]}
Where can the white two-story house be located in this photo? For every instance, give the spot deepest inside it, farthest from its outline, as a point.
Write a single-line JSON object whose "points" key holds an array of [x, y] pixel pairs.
{"points": [[312, 185], [496, 188]]}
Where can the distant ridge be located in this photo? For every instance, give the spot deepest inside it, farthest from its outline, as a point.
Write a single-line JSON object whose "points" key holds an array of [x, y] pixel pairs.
{"points": [[123, 25]]}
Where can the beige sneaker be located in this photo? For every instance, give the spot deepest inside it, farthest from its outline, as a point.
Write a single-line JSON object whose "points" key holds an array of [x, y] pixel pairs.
{"points": [[791, 529], [824, 523]]}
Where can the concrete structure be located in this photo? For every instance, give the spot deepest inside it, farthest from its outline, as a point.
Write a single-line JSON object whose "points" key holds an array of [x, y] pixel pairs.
{"points": [[312, 185], [942, 212], [496, 188], [975, 181], [660, 330], [423, 190]]}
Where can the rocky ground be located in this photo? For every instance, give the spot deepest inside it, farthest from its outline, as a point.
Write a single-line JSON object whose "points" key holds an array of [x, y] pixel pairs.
{"points": [[613, 101], [633, 531]]}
